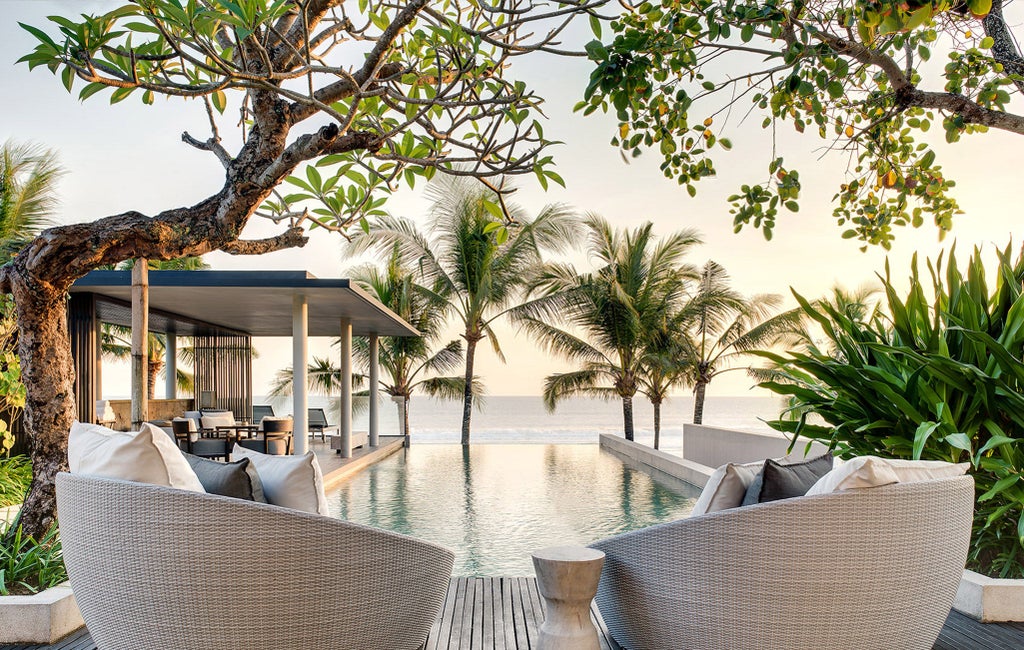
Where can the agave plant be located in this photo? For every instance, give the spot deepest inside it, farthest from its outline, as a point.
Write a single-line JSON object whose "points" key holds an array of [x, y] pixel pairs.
{"points": [[936, 374]]}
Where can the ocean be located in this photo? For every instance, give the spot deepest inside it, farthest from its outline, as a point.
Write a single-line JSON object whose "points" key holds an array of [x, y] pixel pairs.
{"points": [[506, 419]]}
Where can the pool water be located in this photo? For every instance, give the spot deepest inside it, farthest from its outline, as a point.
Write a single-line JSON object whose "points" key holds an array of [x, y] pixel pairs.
{"points": [[493, 504]]}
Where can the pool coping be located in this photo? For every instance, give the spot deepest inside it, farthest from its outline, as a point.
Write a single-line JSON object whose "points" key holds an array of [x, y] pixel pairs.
{"points": [[389, 445], [647, 459]]}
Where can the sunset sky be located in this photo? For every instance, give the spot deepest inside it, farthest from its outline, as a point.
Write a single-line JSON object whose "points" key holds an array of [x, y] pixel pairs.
{"points": [[130, 157]]}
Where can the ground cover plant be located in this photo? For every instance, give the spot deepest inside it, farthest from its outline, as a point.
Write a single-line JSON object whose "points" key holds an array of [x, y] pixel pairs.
{"points": [[28, 566], [937, 373]]}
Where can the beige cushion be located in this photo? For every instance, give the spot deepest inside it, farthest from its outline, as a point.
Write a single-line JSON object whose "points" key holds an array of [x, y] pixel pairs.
{"points": [[911, 471], [872, 471], [146, 456], [859, 472], [290, 481], [214, 420], [726, 487]]}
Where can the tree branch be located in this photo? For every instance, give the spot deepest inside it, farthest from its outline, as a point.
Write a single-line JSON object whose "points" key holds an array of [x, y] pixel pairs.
{"points": [[1004, 49], [292, 238], [212, 145]]}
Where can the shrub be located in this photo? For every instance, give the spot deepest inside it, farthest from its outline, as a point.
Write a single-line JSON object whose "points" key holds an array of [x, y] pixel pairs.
{"points": [[936, 375], [28, 566], [15, 475]]}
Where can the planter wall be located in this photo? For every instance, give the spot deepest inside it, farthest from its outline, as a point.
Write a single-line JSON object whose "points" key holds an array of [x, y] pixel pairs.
{"points": [[45, 617], [990, 600]]}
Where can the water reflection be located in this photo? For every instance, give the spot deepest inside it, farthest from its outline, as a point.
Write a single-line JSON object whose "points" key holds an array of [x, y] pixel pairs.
{"points": [[494, 504]]}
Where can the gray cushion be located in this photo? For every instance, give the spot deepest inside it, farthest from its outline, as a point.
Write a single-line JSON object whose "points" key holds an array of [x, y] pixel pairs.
{"points": [[237, 479], [777, 481]]}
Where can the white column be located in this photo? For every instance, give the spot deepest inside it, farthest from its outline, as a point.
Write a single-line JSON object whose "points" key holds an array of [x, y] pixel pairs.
{"points": [[171, 367], [345, 425], [300, 365], [374, 390]]}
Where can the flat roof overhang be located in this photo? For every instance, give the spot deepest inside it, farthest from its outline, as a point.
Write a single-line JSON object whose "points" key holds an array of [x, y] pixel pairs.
{"points": [[258, 303]]}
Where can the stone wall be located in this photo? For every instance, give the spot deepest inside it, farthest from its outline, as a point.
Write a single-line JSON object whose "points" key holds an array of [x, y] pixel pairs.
{"points": [[159, 409]]}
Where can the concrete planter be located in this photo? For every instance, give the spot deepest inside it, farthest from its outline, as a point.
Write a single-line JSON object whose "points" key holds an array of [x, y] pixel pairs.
{"points": [[45, 617], [990, 600]]}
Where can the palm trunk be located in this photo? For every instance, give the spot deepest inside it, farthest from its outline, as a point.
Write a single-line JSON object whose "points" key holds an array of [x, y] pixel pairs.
{"points": [[405, 416], [627, 416], [657, 422], [48, 374], [155, 366], [467, 393], [698, 401]]}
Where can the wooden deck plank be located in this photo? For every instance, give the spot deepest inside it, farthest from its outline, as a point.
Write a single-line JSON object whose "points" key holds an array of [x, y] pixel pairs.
{"points": [[505, 613]]}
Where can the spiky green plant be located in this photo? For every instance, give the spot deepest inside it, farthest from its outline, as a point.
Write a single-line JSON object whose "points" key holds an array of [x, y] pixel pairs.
{"points": [[28, 566], [939, 376]]}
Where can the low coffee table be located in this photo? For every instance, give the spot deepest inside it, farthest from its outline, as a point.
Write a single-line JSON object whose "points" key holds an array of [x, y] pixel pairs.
{"points": [[567, 578]]}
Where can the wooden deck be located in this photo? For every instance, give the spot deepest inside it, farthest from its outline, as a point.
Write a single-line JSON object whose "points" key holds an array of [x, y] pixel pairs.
{"points": [[504, 614]]}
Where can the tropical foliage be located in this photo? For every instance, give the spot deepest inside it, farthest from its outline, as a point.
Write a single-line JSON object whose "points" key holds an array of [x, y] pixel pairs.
{"points": [[28, 198], [870, 80], [616, 318], [937, 374], [471, 262], [28, 566]]}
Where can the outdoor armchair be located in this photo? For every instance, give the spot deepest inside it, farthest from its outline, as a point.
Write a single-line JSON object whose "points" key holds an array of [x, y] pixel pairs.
{"points": [[869, 568], [155, 568]]}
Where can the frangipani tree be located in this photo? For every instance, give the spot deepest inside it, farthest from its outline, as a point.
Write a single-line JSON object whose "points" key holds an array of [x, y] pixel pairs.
{"points": [[368, 94], [866, 79]]}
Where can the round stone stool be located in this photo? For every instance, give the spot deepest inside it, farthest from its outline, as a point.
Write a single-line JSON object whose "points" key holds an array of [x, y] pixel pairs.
{"points": [[567, 578]]}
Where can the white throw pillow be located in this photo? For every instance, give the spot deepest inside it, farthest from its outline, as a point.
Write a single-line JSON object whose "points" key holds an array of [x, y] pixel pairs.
{"points": [[291, 481], [146, 456], [872, 471], [859, 472], [726, 487], [214, 420]]}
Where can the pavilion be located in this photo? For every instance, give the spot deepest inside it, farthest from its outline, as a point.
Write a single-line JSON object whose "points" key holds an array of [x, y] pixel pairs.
{"points": [[221, 311]]}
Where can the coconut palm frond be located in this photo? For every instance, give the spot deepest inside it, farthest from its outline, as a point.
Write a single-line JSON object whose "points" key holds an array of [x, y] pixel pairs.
{"points": [[560, 386]]}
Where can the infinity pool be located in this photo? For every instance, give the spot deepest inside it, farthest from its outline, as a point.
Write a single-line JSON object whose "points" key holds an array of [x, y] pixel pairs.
{"points": [[494, 504]]}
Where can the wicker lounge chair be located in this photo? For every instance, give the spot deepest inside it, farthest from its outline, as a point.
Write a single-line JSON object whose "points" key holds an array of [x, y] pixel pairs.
{"points": [[158, 568], [874, 568]]}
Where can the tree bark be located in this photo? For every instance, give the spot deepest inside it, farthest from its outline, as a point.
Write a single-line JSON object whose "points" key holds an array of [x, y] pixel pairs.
{"points": [[467, 391], [698, 401], [48, 374], [627, 416], [657, 422]]}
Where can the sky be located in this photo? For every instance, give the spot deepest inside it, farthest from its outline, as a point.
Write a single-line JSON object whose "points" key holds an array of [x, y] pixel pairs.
{"points": [[130, 157]]}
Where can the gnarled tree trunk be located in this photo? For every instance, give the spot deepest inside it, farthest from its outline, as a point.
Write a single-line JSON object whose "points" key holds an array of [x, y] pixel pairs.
{"points": [[48, 374]]}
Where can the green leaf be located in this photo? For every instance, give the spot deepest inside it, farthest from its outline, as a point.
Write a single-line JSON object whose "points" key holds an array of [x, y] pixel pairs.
{"points": [[1000, 486], [220, 101]]}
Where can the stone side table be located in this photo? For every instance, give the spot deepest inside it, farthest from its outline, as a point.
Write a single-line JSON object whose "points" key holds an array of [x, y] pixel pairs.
{"points": [[567, 578]]}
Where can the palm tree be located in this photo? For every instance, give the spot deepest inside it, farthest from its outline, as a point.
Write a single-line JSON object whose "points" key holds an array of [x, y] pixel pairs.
{"points": [[617, 309], [28, 198], [406, 361], [475, 261], [725, 326], [663, 366]]}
